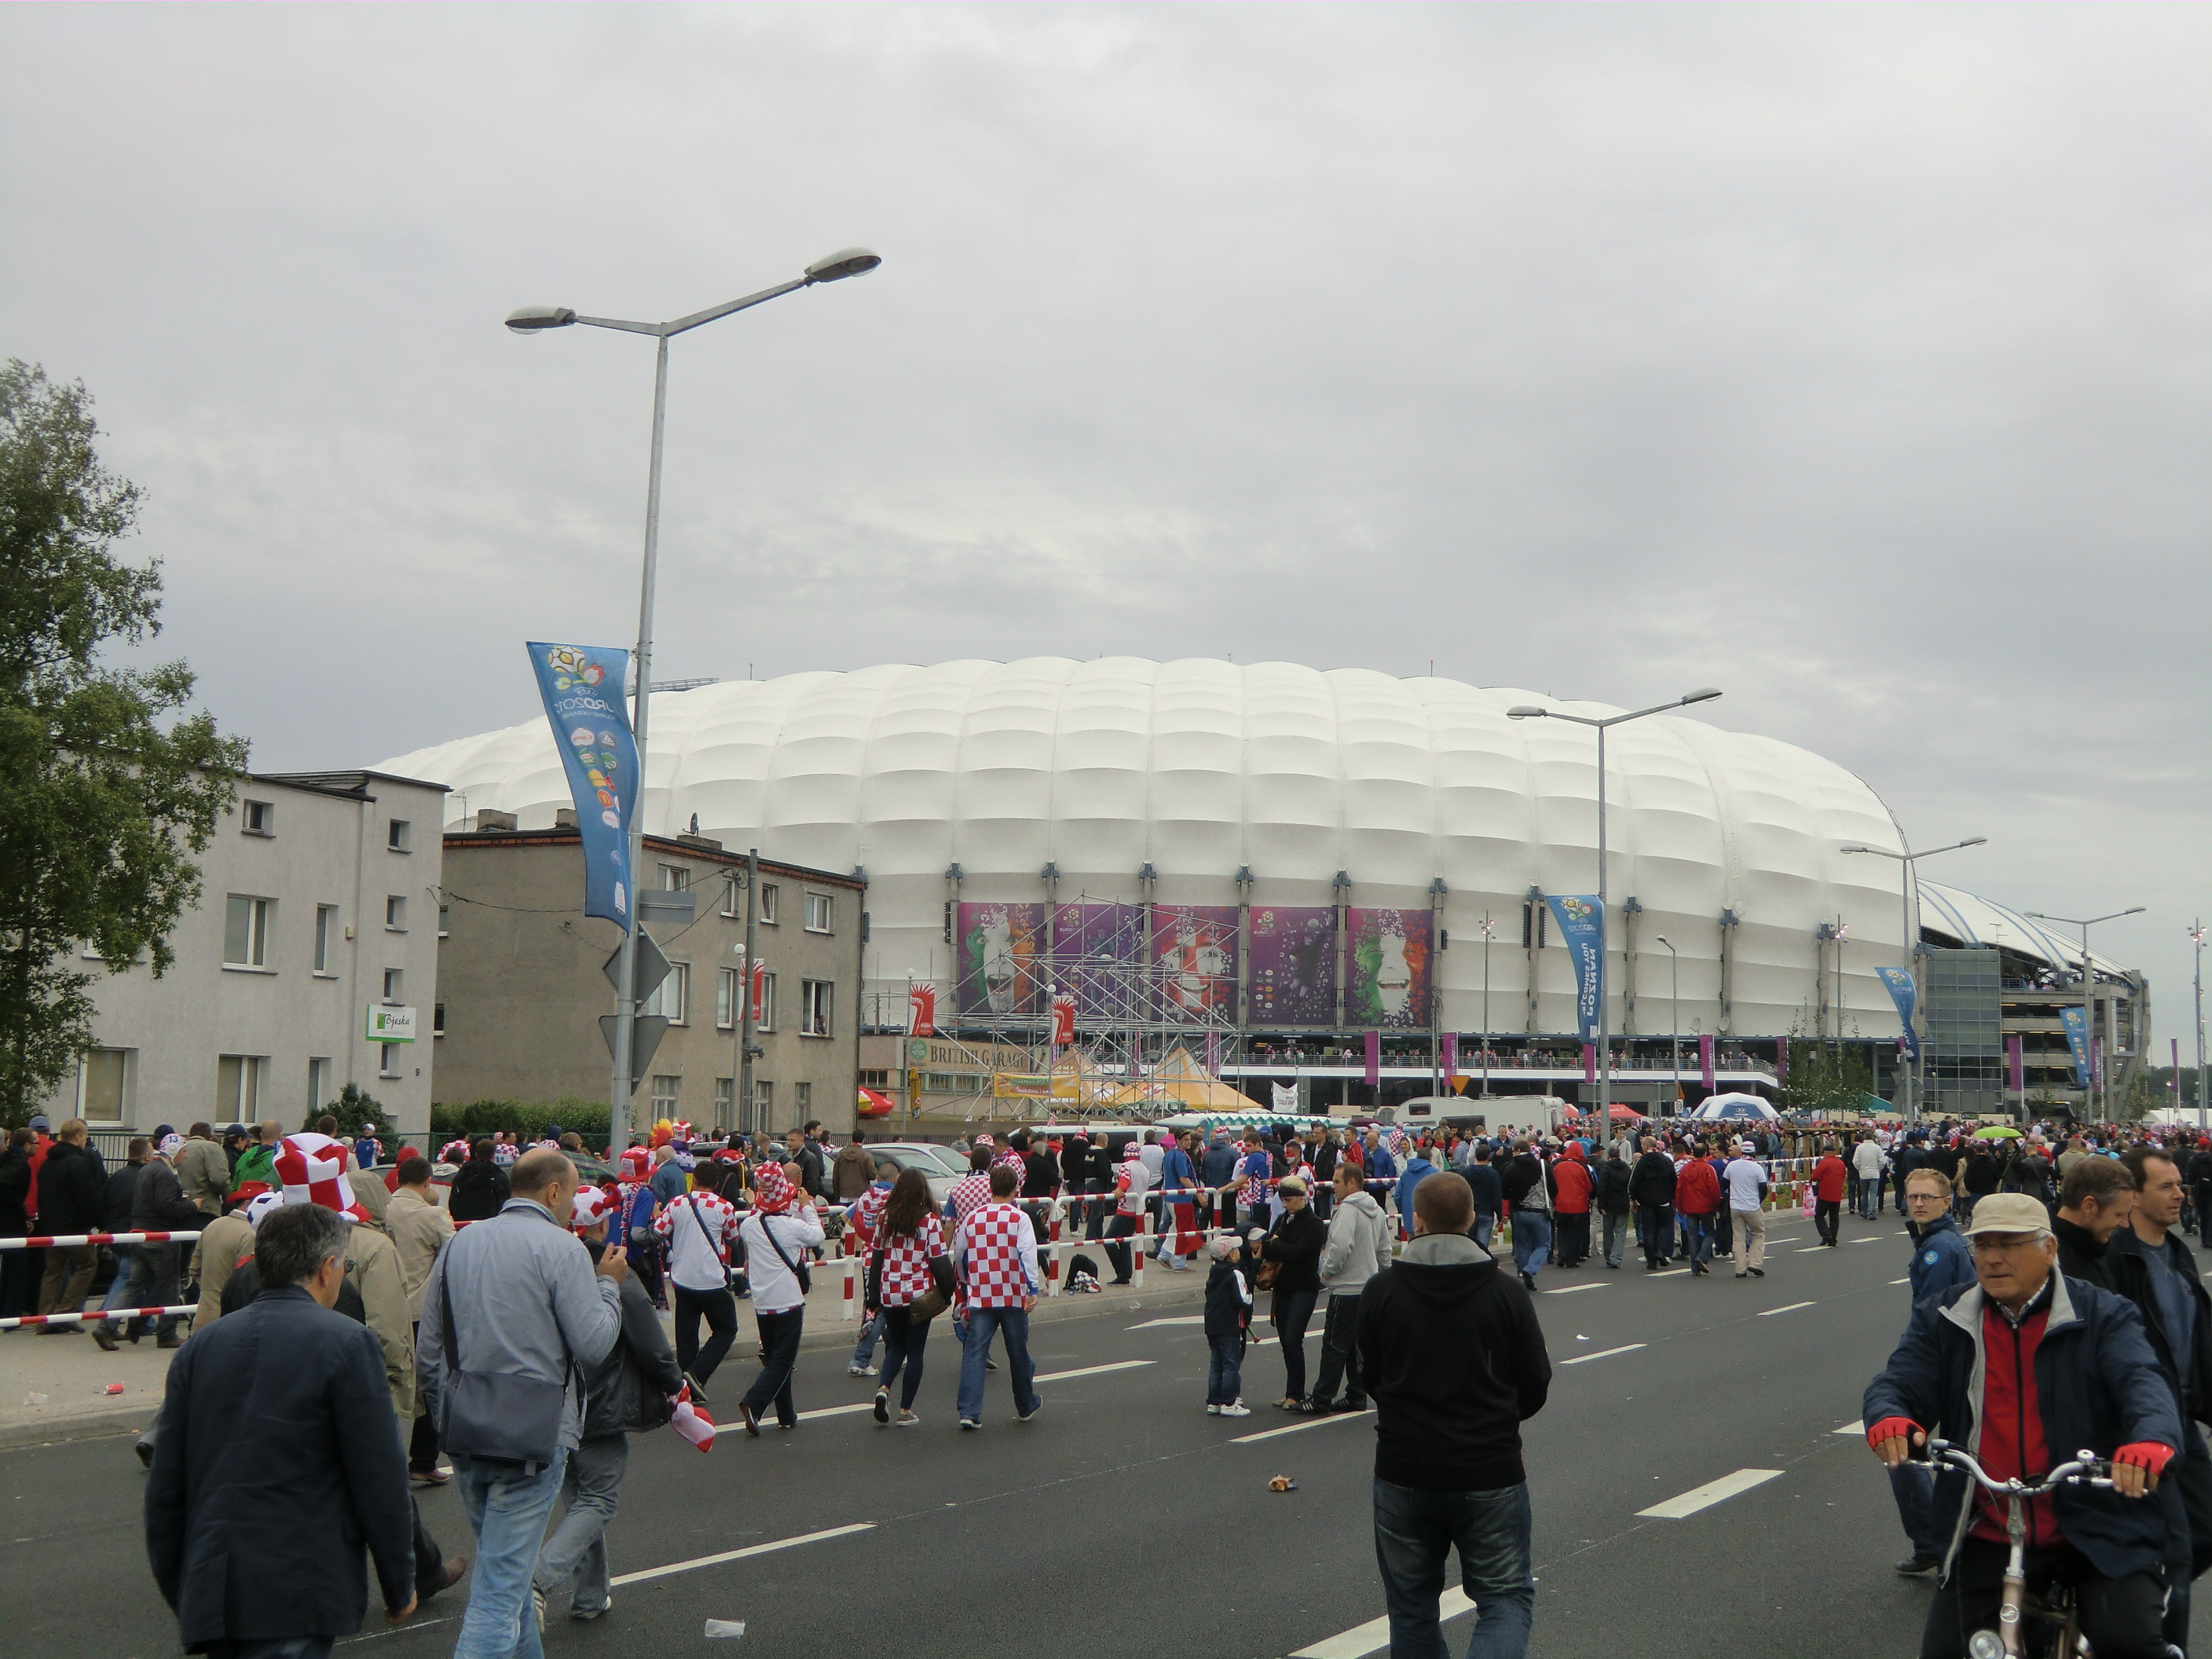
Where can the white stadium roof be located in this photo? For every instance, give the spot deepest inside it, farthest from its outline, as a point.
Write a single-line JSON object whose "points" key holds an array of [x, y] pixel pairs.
{"points": [[1202, 768], [1972, 920]]}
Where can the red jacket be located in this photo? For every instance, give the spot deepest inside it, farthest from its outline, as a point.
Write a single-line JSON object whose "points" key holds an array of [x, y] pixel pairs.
{"points": [[1829, 1175], [1697, 1189], [1570, 1184], [2011, 1422]]}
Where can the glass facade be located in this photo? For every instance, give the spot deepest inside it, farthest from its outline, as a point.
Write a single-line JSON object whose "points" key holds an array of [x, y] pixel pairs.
{"points": [[1965, 1000]]}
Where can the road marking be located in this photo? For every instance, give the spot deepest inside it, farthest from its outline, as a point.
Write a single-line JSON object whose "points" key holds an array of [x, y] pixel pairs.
{"points": [[1374, 1636], [1870, 1241], [1192, 1318], [1295, 1428], [1669, 1272], [1850, 1428], [1090, 1371], [808, 1417], [1569, 1290], [1906, 1280], [1712, 1493], [739, 1555], [1807, 1249], [1787, 1307], [1603, 1354]]}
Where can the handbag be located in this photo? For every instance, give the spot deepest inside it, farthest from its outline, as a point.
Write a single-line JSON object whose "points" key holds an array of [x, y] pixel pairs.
{"points": [[1265, 1278], [497, 1416], [799, 1270], [937, 1298]]}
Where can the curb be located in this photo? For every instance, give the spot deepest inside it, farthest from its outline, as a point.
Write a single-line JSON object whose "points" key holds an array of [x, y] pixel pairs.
{"points": [[84, 1425]]}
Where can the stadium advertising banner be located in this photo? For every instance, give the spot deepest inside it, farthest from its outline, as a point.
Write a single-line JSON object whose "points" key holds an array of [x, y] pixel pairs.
{"points": [[1002, 962], [1388, 967], [1088, 941], [1293, 973], [583, 688], [1193, 946], [1580, 922]]}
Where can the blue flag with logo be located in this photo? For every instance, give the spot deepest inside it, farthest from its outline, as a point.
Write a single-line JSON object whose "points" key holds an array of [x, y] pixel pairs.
{"points": [[2077, 1038], [1581, 921], [582, 686], [1904, 993]]}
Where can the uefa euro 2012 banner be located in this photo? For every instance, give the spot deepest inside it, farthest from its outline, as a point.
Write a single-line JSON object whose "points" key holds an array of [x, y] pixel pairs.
{"points": [[582, 686]]}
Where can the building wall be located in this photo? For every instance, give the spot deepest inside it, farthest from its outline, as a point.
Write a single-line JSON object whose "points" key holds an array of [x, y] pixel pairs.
{"points": [[524, 986], [165, 1040]]}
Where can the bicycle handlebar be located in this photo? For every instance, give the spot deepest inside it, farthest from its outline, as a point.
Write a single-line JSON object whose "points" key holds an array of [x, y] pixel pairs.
{"points": [[2084, 1469]]}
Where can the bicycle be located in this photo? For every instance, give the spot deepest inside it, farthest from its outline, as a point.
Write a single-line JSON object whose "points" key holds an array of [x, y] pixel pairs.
{"points": [[2056, 1606]]}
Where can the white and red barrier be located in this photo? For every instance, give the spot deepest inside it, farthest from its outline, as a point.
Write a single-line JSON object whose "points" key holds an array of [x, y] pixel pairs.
{"points": [[67, 1241], [96, 1317]]}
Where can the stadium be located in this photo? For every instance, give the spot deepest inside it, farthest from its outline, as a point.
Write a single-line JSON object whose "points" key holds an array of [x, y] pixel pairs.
{"points": [[1283, 858]]}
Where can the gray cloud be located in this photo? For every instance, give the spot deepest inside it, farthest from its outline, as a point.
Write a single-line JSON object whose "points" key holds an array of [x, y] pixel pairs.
{"points": [[1853, 360]]}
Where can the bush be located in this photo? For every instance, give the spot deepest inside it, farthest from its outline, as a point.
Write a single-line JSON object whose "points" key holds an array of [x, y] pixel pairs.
{"points": [[588, 1118], [355, 1110]]}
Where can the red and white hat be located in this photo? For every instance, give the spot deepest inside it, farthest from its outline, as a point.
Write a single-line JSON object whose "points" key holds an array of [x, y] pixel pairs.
{"points": [[637, 1164], [772, 1188], [313, 1171], [592, 1205], [259, 1206]]}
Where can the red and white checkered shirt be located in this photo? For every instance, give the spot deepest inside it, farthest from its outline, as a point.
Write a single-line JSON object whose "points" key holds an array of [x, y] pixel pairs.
{"points": [[966, 1194], [698, 1240], [906, 1257], [995, 1256], [867, 1211]]}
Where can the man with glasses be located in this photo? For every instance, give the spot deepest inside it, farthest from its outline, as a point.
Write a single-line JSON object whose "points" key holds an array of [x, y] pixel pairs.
{"points": [[1941, 1262]]}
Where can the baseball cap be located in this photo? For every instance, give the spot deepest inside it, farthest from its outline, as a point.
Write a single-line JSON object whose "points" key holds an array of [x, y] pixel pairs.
{"points": [[2009, 1212]]}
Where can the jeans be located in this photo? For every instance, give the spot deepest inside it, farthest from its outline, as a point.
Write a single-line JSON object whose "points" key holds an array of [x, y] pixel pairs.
{"points": [[1117, 1256], [983, 1324], [904, 1343], [506, 1512], [577, 1548], [1485, 1223], [779, 1339], [1701, 1238], [1750, 1238], [1909, 1483], [1416, 1529], [118, 1292], [1616, 1239], [2120, 1616], [153, 1284], [1828, 1219], [1225, 1371], [1531, 1239], [871, 1332], [1291, 1311], [1340, 1356], [1656, 1234], [1870, 1198], [719, 1309]]}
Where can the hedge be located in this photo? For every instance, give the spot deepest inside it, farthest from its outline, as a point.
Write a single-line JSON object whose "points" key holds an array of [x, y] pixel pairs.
{"points": [[588, 1118]]}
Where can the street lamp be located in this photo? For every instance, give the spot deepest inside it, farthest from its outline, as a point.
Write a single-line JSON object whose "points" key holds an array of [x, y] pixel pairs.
{"points": [[1487, 929], [2089, 999], [536, 319], [1526, 711], [2196, 938], [1674, 1026], [1908, 883]]}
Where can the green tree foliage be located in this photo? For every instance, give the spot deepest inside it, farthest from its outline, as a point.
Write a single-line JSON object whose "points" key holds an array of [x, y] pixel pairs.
{"points": [[588, 1118], [356, 1110], [1826, 1078], [112, 788]]}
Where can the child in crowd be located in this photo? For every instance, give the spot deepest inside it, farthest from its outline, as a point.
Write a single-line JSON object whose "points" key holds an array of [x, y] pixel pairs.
{"points": [[1228, 1315]]}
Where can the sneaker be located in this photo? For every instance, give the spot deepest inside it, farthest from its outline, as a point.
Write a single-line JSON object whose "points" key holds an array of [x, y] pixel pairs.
{"points": [[1240, 1409], [1036, 1405], [1915, 1566], [172, 1340], [860, 1370], [908, 1419], [1213, 1411], [591, 1612], [698, 1393], [1759, 1272], [969, 1423], [882, 1405], [430, 1477], [989, 1363], [538, 1606], [752, 1423]]}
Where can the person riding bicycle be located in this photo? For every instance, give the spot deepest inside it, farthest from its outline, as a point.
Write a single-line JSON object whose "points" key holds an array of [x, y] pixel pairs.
{"points": [[2024, 1367]]}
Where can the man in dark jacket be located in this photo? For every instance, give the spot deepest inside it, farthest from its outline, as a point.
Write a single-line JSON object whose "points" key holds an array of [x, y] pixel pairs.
{"points": [[1455, 1362], [2025, 1366], [71, 1185], [1614, 1205], [1481, 1177], [1941, 1262], [158, 1205], [116, 1202], [2094, 1202], [266, 1554], [1651, 1188]]}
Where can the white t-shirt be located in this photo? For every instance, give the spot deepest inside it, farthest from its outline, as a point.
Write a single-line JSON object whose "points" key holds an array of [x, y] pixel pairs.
{"points": [[1743, 1176], [1132, 1201]]}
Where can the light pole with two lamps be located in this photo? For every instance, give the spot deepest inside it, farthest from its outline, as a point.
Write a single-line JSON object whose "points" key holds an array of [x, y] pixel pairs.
{"points": [[1674, 1026], [1908, 881], [2090, 1055]]}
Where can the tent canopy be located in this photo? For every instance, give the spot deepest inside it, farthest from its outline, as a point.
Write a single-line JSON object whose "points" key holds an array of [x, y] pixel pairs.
{"points": [[1718, 1107], [1178, 1080]]}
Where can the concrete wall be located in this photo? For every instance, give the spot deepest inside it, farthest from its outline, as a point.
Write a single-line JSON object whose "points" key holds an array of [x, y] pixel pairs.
{"points": [[523, 983], [167, 1038]]}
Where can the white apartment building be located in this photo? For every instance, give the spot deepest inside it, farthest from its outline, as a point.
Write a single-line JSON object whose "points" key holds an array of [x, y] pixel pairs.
{"points": [[310, 962]]}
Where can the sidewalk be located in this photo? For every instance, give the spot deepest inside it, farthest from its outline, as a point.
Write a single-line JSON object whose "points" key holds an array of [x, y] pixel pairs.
{"points": [[55, 1388]]}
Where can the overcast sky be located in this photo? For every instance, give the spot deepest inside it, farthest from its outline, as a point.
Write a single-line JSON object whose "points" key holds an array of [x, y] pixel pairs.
{"points": [[1855, 360]]}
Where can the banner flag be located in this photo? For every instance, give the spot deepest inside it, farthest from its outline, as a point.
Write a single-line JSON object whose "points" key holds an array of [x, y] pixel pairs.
{"points": [[1285, 1096], [1063, 1017], [921, 1011], [1782, 1059], [582, 689], [1374, 1058], [1904, 993], [2015, 1065], [2097, 1062], [1705, 1056], [1213, 1054], [2076, 1021], [1451, 1059], [760, 993], [1580, 925], [1589, 1062]]}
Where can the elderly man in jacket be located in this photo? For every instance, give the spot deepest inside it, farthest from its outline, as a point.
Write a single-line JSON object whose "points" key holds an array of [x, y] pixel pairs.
{"points": [[203, 1171], [419, 1229], [1941, 1262], [1358, 1248], [1651, 1188], [519, 1296], [2024, 1367]]}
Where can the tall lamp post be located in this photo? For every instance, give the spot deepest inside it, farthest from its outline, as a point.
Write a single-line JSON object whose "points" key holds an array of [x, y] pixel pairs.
{"points": [[1674, 1026], [2089, 1000], [1487, 929], [1532, 712], [1908, 882], [2196, 938], [536, 319]]}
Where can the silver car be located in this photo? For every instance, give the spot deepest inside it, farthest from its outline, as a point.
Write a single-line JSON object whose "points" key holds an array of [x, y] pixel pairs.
{"points": [[940, 1165]]}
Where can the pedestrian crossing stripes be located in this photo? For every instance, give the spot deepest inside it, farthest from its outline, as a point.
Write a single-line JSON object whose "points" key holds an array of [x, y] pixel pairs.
{"points": [[1569, 1290], [1374, 1636]]}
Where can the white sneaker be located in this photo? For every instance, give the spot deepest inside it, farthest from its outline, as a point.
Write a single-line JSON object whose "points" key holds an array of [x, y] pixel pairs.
{"points": [[860, 1370], [537, 1606], [909, 1419], [1213, 1411], [1240, 1409]]}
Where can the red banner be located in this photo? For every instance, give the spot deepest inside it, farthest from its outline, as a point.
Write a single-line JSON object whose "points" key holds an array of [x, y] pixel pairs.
{"points": [[1063, 1016], [922, 1010]]}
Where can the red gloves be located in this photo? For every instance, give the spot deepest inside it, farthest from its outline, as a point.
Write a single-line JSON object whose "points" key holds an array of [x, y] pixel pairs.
{"points": [[1894, 1428], [2145, 1455]]}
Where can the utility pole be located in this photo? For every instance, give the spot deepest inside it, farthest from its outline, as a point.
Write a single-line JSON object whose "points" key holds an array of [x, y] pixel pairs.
{"points": [[745, 1047]]}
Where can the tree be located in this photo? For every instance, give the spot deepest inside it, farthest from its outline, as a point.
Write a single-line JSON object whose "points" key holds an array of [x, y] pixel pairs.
{"points": [[112, 788], [1826, 1078]]}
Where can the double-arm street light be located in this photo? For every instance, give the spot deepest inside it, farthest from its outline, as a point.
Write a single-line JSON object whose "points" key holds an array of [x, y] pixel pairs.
{"points": [[1531, 712], [1908, 882], [2089, 1001], [536, 319], [1674, 1026]]}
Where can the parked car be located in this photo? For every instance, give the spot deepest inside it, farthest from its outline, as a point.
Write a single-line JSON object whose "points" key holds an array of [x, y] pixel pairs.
{"points": [[940, 1165]]}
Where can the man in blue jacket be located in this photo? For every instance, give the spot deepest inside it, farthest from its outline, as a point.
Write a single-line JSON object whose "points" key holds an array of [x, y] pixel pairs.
{"points": [[2022, 1368], [1941, 1262]]}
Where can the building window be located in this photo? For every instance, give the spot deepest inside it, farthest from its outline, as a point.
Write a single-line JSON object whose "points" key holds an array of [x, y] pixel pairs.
{"points": [[763, 1102], [246, 931], [398, 834], [815, 996], [237, 1088], [675, 879], [395, 984], [725, 1100], [445, 920], [767, 1020], [802, 1099], [387, 1066], [768, 903], [438, 1020], [326, 933], [319, 1087], [875, 1079], [395, 914], [817, 913], [257, 817], [725, 998], [100, 1078], [672, 996], [667, 1090], [730, 901]]}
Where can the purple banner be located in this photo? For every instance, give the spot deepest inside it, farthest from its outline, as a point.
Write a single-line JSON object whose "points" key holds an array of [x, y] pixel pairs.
{"points": [[1388, 959], [1705, 1056], [1195, 948], [1293, 974], [1374, 1058], [1002, 963], [1091, 943], [1589, 1062], [1452, 1055]]}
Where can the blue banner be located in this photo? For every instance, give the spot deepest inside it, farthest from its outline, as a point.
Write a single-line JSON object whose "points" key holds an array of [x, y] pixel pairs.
{"points": [[582, 686], [1582, 930], [1904, 993], [2077, 1039]]}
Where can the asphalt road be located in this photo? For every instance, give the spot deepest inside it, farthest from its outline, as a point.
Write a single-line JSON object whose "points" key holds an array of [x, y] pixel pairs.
{"points": [[1123, 1519]]}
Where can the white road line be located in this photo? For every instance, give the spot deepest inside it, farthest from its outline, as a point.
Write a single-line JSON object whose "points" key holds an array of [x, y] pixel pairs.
{"points": [[1858, 1429], [1668, 1273], [1042, 1377], [1807, 1249], [1603, 1354], [1091, 1370], [1705, 1496], [1787, 1307], [808, 1417], [1297, 1428], [1374, 1636], [1192, 1318], [1569, 1290], [1906, 1280], [739, 1555], [1868, 1240]]}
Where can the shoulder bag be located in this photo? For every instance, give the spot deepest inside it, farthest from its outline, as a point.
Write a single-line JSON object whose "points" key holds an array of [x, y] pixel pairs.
{"points": [[498, 1416], [729, 1273], [799, 1270]]}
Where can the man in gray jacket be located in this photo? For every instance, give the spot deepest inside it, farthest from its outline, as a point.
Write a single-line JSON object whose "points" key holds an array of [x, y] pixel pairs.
{"points": [[523, 1301], [1358, 1248]]}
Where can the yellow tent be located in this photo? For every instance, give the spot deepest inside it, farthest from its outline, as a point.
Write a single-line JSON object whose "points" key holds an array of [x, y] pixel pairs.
{"points": [[1180, 1083]]}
